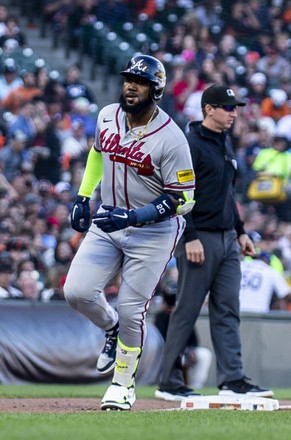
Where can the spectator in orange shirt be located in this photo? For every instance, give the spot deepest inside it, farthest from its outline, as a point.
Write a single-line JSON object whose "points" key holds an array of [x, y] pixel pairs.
{"points": [[275, 105], [23, 93]]}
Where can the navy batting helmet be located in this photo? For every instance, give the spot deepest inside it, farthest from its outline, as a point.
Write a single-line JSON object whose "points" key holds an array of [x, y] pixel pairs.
{"points": [[150, 68]]}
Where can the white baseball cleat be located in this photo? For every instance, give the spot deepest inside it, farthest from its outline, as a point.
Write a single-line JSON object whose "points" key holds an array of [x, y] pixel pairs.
{"points": [[118, 398]]}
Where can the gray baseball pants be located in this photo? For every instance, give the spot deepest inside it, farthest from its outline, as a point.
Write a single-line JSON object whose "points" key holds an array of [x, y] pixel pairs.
{"points": [[141, 255], [220, 277]]}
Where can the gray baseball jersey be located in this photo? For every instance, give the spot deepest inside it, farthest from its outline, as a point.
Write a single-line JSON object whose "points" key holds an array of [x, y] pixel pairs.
{"points": [[135, 172]]}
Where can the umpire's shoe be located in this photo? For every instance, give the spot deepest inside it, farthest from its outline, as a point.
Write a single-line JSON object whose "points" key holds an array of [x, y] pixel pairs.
{"points": [[107, 358], [242, 387], [172, 394]]}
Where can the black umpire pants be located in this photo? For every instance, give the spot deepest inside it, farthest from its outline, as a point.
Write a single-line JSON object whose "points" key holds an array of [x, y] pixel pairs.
{"points": [[220, 277]]}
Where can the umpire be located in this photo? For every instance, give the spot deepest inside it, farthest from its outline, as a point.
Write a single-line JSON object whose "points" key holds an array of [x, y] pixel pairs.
{"points": [[208, 255]]}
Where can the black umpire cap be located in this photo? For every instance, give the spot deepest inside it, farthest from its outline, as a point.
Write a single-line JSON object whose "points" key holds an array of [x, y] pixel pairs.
{"points": [[219, 95]]}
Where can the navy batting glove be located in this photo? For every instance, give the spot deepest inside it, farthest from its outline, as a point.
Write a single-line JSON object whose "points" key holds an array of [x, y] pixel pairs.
{"points": [[114, 219], [80, 214]]}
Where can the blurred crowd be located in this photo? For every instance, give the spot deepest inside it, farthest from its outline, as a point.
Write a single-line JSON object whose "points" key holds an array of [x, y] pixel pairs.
{"points": [[47, 125], [47, 119]]}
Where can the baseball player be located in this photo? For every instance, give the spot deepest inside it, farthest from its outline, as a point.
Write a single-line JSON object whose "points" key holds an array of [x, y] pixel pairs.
{"points": [[259, 282], [147, 186]]}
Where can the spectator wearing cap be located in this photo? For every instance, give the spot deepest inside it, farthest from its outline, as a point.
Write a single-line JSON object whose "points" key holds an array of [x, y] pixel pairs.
{"points": [[7, 290], [12, 154], [268, 242], [25, 92], [9, 79], [82, 109], [64, 194], [257, 88], [62, 191], [275, 105], [267, 123]]}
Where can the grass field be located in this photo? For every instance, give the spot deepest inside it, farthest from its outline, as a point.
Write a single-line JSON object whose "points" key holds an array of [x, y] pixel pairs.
{"points": [[161, 425]]}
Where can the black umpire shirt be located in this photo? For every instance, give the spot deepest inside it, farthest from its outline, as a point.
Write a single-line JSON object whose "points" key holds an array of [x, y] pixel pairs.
{"points": [[215, 167]]}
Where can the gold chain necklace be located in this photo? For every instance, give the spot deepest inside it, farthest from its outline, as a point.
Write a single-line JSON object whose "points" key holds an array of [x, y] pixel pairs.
{"points": [[142, 133]]}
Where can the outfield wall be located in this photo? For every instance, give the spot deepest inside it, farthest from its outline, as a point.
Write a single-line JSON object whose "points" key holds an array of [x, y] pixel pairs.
{"points": [[51, 343]]}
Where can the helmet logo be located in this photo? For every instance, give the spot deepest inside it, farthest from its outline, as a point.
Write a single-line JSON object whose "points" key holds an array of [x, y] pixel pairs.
{"points": [[139, 65]]}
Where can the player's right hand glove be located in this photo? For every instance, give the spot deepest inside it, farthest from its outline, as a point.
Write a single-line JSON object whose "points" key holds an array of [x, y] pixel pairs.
{"points": [[114, 219], [80, 214]]}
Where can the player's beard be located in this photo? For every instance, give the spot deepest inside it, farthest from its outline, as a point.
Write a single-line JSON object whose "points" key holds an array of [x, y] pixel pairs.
{"points": [[135, 109]]}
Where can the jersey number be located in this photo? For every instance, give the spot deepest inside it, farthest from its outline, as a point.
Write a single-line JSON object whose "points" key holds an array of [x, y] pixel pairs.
{"points": [[251, 281]]}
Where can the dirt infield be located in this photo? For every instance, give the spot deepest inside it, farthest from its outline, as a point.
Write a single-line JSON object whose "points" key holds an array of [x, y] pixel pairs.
{"points": [[72, 405]]}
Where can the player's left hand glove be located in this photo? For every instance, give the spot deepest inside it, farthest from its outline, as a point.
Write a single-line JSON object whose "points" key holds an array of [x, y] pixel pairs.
{"points": [[80, 214], [114, 219]]}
